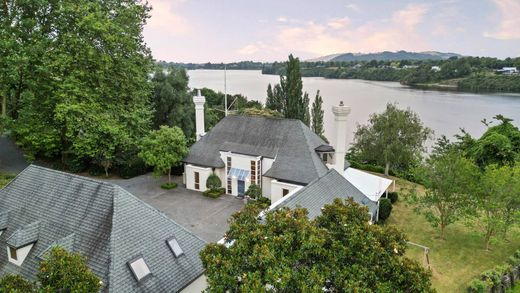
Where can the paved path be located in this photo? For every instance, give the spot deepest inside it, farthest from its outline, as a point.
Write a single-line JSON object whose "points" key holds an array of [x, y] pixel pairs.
{"points": [[11, 157], [206, 217]]}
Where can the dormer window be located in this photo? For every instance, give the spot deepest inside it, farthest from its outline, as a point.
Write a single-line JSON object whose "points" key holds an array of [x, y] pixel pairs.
{"points": [[12, 253], [175, 247], [139, 269], [19, 244]]}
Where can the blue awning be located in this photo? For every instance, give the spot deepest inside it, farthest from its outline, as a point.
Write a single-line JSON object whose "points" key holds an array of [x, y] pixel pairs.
{"points": [[238, 173]]}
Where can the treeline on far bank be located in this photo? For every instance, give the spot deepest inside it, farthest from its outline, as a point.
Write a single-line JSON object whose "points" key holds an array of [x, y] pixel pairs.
{"points": [[476, 74]]}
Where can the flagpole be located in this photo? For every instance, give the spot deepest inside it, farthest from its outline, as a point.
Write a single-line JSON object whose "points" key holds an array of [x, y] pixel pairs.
{"points": [[225, 91]]}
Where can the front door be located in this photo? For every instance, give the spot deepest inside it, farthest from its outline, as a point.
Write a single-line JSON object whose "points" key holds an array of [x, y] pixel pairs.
{"points": [[241, 187]]}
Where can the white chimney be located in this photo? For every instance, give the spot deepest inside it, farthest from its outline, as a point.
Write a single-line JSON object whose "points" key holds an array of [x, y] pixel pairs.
{"points": [[199, 114], [340, 145]]}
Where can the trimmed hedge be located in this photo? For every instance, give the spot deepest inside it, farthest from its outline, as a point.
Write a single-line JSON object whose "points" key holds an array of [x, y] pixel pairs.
{"points": [[214, 193], [213, 182], [393, 196], [264, 200], [169, 185], [385, 209], [254, 191]]}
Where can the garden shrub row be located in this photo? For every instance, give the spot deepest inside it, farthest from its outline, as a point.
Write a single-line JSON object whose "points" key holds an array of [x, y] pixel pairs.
{"points": [[214, 193], [499, 279]]}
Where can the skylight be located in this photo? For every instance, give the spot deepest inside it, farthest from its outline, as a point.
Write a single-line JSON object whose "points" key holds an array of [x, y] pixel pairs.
{"points": [[139, 268], [175, 247]]}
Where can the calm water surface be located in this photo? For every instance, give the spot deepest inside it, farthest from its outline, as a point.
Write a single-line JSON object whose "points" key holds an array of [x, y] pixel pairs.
{"points": [[444, 112]]}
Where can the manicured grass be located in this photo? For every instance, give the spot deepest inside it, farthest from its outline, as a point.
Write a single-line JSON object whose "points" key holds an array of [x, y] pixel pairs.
{"points": [[5, 178], [456, 260]]}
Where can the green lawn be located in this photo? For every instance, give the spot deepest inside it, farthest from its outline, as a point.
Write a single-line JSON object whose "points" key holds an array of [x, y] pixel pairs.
{"points": [[456, 260], [5, 178]]}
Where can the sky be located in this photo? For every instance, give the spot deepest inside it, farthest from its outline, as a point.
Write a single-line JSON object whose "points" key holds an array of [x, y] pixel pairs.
{"points": [[269, 30]]}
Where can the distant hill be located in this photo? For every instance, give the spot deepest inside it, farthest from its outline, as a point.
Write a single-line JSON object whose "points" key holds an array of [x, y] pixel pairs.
{"points": [[387, 56]]}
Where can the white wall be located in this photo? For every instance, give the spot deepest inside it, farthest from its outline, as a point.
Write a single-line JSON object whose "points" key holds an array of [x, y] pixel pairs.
{"points": [[240, 162], [189, 171], [21, 254], [199, 285], [277, 189]]}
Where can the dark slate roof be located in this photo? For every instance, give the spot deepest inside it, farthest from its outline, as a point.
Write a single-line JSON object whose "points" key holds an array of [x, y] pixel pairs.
{"points": [[26, 235], [323, 191], [288, 141], [4, 218], [66, 243], [110, 227]]}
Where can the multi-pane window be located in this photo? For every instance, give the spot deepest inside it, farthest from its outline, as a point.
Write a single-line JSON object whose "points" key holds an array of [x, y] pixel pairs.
{"points": [[229, 180], [258, 174], [253, 172], [228, 164], [197, 180]]}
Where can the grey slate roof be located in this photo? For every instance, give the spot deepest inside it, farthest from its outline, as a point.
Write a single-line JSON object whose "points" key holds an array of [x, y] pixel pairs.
{"points": [[289, 141], [110, 227], [323, 191], [4, 218], [24, 236]]}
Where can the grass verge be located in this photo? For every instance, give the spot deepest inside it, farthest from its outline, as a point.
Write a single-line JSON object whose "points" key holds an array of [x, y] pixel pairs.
{"points": [[459, 258]]}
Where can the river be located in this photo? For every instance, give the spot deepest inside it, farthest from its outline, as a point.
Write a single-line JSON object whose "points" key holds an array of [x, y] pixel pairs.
{"points": [[444, 112]]}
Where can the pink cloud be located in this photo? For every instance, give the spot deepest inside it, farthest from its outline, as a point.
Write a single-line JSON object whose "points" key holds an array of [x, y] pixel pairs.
{"points": [[509, 28], [165, 20]]}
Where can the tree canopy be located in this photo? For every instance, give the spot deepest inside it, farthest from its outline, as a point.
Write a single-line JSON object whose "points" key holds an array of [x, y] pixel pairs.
{"points": [[164, 149], [287, 252], [73, 72], [394, 139], [59, 271]]}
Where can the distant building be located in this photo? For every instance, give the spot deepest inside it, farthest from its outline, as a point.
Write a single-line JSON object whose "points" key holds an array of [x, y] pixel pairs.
{"points": [[410, 66], [507, 70], [436, 68], [129, 245]]}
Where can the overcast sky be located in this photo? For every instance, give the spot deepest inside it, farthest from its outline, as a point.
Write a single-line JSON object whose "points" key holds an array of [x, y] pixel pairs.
{"points": [[269, 30]]}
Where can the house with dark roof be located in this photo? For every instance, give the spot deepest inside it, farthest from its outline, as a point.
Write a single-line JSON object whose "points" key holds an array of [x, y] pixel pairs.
{"points": [[129, 245], [279, 155], [323, 191]]}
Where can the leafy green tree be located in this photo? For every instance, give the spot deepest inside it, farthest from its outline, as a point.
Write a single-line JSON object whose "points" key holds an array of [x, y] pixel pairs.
{"points": [[497, 196], [287, 252], [16, 284], [317, 116], [62, 271], [500, 144], [394, 138], [288, 97], [450, 181], [254, 191], [164, 149], [213, 182], [63, 55], [172, 101]]}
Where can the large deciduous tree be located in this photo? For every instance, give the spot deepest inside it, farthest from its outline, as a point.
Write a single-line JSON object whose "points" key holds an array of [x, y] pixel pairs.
{"points": [[287, 252], [497, 200], [449, 180], [393, 139], [81, 55], [164, 149], [172, 101]]}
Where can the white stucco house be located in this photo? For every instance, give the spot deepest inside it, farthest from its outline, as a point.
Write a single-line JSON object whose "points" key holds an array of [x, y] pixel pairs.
{"points": [[277, 154]]}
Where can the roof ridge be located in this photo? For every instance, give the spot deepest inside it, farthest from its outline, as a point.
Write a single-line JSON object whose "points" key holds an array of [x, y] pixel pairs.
{"points": [[311, 150], [68, 174]]}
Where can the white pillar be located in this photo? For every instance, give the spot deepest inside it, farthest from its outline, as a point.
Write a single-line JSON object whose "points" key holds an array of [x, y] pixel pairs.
{"points": [[199, 114], [340, 123]]}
